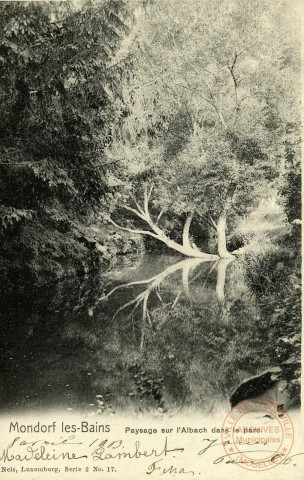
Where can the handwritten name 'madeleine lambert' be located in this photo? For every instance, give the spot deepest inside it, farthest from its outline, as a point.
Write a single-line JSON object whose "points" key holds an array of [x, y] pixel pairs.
{"points": [[83, 427]]}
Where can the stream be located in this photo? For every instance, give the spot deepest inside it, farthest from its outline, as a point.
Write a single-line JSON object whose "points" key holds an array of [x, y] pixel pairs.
{"points": [[158, 333]]}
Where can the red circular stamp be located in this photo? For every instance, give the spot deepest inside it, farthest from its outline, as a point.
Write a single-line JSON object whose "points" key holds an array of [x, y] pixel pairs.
{"points": [[257, 434]]}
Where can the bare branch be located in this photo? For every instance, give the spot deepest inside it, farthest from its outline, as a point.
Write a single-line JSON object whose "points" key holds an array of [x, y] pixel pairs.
{"points": [[125, 285], [137, 205], [207, 220], [136, 212], [159, 216], [123, 307], [234, 61], [149, 318], [150, 191], [141, 232], [235, 83], [213, 222], [146, 201], [159, 296]]}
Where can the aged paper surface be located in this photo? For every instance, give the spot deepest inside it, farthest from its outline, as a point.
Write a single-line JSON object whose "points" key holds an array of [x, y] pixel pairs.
{"points": [[164, 365]]}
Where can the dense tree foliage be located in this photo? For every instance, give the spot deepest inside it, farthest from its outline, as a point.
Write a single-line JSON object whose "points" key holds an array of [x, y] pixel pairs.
{"points": [[60, 92], [211, 100]]}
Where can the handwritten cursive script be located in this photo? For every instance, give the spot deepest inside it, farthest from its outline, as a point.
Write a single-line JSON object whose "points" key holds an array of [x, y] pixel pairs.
{"points": [[164, 459]]}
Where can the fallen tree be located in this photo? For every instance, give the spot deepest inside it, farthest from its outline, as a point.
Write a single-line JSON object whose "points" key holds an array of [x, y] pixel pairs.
{"points": [[186, 248]]}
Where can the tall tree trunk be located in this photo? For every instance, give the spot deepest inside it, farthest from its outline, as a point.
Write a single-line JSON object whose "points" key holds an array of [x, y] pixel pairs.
{"points": [[221, 237], [186, 241]]}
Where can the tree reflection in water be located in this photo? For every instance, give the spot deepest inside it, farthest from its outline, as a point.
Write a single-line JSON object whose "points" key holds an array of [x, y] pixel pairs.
{"points": [[187, 267], [181, 331], [166, 335]]}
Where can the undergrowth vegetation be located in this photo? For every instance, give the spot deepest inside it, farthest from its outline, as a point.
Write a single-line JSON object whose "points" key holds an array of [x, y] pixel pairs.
{"points": [[275, 278]]}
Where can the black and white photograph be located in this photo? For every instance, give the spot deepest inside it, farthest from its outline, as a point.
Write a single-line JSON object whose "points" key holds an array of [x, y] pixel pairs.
{"points": [[150, 239]]}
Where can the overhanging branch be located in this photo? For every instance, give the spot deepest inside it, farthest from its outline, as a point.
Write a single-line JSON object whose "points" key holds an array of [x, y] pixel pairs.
{"points": [[131, 230], [136, 212]]}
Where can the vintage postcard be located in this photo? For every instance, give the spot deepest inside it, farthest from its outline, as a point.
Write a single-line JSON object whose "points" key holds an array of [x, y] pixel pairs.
{"points": [[150, 240]]}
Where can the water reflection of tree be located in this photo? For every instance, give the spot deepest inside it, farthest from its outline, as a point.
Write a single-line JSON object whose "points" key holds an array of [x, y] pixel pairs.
{"points": [[187, 267], [189, 355], [194, 325]]}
